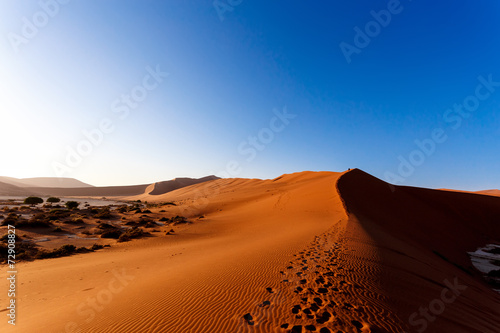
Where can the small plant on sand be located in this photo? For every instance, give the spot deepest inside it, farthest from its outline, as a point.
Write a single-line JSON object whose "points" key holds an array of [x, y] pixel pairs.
{"points": [[72, 204], [104, 213], [33, 201], [11, 219], [134, 232], [96, 247], [39, 220], [53, 200]]}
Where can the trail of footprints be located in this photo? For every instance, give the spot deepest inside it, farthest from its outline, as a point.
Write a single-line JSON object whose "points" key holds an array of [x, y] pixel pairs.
{"points": [[321, 294]]}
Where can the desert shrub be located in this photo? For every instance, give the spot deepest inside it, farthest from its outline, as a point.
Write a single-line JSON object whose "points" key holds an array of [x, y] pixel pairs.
{"points": [[5, 238], [56, 214], [64, 250], [106, 226], [39, 220], [164, 219], [108, 231], [24, 251], [168, 203], [58, 229], [147, 211], [104, 213], [150, 224], [132, 233], [33, 201], [12, 218], [72, 204], [53, 200], [75, 220], [94, 211], [96, 247], [122, 209], [115, 233], [179, 219]]}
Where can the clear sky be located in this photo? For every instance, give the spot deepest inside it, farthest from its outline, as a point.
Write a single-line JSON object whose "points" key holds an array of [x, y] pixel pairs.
{"points": [[251, 89]]}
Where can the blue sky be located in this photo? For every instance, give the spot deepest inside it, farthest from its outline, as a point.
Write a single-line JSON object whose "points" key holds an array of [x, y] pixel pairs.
{"points": [[232, 66]]}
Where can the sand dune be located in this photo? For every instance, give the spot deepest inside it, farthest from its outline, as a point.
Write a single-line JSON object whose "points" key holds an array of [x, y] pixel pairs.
{"points": [[45, 182], [174, 184], [495, 193], [27, 188], [323, 251], [422, 237], [13, 190]]}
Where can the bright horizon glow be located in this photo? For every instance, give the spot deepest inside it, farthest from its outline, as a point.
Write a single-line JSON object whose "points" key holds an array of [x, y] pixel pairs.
{"points": [[227, 79]]}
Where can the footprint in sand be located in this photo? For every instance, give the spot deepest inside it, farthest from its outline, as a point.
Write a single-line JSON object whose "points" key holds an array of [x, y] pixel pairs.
{"points": [[265, 303], [248, 318], [357, 324]]}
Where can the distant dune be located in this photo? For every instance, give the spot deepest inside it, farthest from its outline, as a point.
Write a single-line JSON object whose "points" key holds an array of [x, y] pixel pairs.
{"points": [[323, 251], [26, 187], [45, 182], [13, 190], [495, 193], [167, 186]]}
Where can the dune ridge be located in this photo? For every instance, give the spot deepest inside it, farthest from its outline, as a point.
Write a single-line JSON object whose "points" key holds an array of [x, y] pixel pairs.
{"points": [[316, 250]]}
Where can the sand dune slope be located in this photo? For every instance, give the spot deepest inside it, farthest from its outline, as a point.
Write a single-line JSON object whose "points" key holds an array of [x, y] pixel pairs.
{"points": [[282, 255], [174, 184], [495, 193], [421, 238], [13, 190], [204, 279]]}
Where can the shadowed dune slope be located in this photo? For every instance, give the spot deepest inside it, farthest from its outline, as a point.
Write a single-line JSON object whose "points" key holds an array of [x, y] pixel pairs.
{"points": [[421, 237]]}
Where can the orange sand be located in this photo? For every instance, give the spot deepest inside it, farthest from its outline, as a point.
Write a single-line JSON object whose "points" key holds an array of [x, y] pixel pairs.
{"points": [[342, 250]]}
